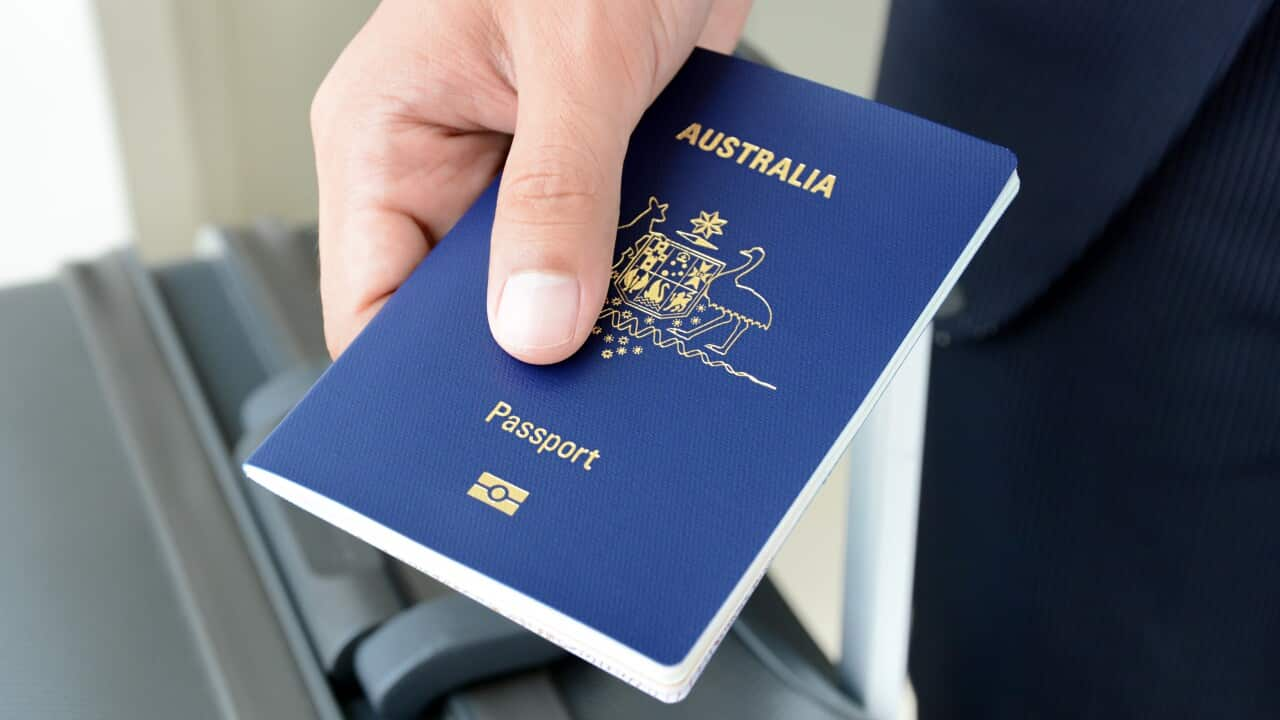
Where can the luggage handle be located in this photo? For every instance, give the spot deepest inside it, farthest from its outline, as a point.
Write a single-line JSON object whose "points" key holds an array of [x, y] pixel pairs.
{"points": [[435, 647]]}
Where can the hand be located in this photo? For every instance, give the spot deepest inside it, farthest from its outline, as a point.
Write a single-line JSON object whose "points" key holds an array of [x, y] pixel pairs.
{"points": [[429, 101]]}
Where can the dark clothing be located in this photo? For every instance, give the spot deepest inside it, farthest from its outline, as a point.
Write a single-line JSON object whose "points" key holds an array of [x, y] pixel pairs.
{"points": [[1100, 514]]}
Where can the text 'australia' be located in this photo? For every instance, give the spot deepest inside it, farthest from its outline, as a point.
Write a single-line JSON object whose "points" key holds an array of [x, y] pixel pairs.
{"points": [[762, 160]]}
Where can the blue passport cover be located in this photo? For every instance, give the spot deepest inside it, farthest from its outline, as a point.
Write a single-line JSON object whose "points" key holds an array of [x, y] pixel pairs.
{"points": [[781, 246]]}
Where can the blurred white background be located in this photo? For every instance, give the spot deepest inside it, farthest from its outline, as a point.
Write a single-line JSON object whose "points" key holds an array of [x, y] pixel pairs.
{"points": [[144, 119], [61, 170]]}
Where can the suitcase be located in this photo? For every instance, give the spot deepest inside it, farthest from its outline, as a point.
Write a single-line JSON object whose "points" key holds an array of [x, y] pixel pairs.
{"points": [[145, 577]]}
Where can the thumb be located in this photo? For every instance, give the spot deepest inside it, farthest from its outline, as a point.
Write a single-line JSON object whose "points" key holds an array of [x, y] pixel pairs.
{"points": [[555, 224]]}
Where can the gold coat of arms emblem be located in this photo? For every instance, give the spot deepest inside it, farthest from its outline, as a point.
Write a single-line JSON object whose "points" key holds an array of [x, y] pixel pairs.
{"points": [[675, 294]]}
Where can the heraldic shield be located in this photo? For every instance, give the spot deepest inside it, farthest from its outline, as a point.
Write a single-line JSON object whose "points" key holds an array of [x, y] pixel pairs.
{"points": [[661, 298], [665, 278]]}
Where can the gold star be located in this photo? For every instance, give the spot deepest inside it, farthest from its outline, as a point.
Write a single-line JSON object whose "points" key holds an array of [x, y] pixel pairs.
{"points": [[621, 351], [606, 354], [637, 350], [676, 323], [615, 301], [708, 225], [695, 320], [626, 313], [608, 338], [648, 321], [595, 330], [702, 308]]}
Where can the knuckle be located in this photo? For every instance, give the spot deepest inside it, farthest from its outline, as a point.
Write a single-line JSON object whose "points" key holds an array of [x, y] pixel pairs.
{"points": [[563, 183]]}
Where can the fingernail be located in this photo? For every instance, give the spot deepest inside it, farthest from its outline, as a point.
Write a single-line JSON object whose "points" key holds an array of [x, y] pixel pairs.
{"points": [[537, 310]]}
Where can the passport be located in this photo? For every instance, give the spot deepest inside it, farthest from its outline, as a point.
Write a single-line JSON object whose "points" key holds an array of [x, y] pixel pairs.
{"points": [[780, 247]]}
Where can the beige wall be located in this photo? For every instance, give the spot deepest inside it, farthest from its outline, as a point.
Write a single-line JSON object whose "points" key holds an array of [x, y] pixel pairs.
{"points": [[835, 42], [212, 99]]}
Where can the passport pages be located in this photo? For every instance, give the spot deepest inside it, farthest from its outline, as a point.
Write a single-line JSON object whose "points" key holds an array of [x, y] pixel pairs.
{"points": [[780, 247]]}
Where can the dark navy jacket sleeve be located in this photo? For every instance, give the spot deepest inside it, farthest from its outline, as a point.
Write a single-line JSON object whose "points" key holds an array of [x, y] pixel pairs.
{"points": [[1089, 94]]}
